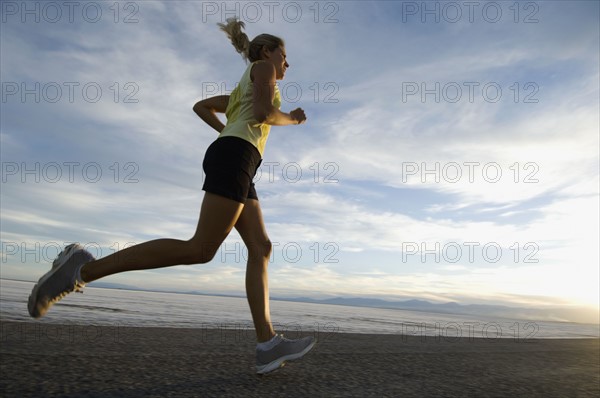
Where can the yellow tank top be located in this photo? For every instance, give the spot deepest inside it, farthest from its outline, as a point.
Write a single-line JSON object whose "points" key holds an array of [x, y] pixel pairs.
{"points": [[240, 116]]}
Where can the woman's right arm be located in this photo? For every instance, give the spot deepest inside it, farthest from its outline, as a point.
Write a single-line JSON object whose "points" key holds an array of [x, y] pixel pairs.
{"points": [[207, 109], [263, 92]]}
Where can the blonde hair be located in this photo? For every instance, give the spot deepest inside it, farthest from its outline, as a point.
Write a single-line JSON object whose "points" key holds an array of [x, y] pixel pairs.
{"points": [[250, 50]]}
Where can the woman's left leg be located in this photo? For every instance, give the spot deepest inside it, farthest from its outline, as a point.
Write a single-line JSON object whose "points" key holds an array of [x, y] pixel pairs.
{"points": [[278, 350], [251, 228]]}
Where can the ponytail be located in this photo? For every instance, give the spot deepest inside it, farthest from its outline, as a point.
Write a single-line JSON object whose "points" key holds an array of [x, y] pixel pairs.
{"points": [[250, 50], [239, 39]]}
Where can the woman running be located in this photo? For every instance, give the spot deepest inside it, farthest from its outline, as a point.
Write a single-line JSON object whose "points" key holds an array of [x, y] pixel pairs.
{"points": [[230, 200]]}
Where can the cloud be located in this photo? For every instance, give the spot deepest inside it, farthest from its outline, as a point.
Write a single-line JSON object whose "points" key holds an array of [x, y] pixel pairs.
{"points": [[379, 166]]}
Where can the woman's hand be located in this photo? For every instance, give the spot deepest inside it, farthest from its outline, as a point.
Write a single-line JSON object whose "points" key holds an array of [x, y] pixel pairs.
{"points": [[263, 93], [298, 115]]}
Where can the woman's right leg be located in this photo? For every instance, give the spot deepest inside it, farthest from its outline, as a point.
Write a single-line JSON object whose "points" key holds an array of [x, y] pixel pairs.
{"points": [[218, 216]]}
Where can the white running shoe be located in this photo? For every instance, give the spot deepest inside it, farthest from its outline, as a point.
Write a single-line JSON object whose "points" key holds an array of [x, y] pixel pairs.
{"points": [[285, 350], [59, 281]]}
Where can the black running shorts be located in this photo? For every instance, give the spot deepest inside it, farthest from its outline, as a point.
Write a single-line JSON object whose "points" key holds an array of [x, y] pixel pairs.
{"points": [[230, 164]]}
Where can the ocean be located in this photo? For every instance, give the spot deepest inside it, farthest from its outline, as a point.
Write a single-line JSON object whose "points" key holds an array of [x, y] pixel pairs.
{"points": [[117, 307]]}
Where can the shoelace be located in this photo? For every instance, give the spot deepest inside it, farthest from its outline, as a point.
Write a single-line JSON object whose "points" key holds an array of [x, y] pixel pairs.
{"points": [[78, 286], [66, 249], [285, 339]]}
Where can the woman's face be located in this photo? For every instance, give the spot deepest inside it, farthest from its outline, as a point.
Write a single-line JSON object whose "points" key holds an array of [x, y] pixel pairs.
{"points": [[277, 58]]}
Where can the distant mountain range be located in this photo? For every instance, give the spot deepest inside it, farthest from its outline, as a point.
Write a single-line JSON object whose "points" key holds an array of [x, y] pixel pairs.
{"points": [[558, 314], [501, 311]]}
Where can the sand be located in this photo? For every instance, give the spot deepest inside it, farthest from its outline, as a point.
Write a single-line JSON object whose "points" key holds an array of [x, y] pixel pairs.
{"points": [[41, 359]]}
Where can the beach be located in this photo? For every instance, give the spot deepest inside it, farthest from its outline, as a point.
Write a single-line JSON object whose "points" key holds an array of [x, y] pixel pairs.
{"points": [[41, 359]]}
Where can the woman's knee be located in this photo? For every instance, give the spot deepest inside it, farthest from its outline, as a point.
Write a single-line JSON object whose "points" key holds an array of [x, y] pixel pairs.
{"points": [[268, 247], [200, 252], [261, 249]]}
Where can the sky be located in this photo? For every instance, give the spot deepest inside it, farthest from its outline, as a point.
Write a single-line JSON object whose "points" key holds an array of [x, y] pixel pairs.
{"points": [[450, 153]]}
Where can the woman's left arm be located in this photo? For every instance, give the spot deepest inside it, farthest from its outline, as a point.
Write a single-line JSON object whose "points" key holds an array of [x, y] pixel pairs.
{"points": [[207, 109]]}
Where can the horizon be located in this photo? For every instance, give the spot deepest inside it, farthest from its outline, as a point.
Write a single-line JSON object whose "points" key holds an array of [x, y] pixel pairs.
{"points": [[457, 164], [582, 317]]}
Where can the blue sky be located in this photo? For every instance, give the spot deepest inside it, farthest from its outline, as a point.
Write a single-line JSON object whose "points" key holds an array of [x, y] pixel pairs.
{"points": [[450, 160]]}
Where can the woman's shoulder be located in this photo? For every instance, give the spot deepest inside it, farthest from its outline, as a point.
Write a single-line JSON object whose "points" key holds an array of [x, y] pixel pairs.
{"points": [[262, 68]]}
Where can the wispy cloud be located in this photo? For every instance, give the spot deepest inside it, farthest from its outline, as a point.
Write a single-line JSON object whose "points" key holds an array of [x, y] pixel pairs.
{"points": [[381, 166]]}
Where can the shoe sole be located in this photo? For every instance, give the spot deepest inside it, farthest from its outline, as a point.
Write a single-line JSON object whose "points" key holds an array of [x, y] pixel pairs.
{"points": [[62, 258], [279, 362]]}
